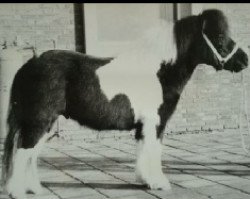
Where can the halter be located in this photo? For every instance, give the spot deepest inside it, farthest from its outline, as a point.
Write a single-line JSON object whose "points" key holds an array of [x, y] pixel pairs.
{"points": [[221, 59]]}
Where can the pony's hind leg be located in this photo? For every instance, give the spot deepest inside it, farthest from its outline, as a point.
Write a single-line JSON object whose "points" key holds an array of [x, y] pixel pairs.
{"points": [[24, 174], [15, 185], [33, 183]]}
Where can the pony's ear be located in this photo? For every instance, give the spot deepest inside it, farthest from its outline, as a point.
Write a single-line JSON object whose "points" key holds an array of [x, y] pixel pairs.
{"points": [[215, 22]]}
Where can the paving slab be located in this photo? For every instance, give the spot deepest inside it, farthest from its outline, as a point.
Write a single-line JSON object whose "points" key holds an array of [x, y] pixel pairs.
{"points": [[87, 164]]}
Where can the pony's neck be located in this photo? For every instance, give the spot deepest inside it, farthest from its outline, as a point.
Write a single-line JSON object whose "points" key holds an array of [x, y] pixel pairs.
{"points": [[174, 76]]}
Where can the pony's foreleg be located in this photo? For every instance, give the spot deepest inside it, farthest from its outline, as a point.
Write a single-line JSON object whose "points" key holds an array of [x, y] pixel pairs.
{"points": [[148, 164]]}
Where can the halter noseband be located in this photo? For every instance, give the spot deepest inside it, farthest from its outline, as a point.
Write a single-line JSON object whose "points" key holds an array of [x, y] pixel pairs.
{"points": [[221, 59]]}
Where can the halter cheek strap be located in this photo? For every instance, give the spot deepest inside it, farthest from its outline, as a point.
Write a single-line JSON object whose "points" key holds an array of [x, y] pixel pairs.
{"points": [[221, 59]]}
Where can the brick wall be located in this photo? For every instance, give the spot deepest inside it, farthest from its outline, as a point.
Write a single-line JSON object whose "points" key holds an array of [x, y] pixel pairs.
{"points": [[210, 100], [38, 24]]}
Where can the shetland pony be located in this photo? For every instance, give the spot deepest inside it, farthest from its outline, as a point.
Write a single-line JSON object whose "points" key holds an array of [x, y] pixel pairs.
{"points": [[137, 90]]}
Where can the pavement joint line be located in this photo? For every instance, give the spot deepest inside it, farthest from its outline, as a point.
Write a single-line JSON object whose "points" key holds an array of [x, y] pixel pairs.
{"points": [[105, 172], [192, 168], [242, 191], [51, 190], [128, 165], [229, 152], [212, 147], [212, 169], [125, 165], [73, 177], [121, 162], [198, 176], [212, 157], [118, 150], [168, 146], [203, 164], [117, 161], [183, 171]]}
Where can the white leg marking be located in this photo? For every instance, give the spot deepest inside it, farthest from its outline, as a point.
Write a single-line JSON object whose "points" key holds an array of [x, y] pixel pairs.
{"points": [[32, 178], [148, 165], [25, 177], [139, 65], [16, 184], [33, 182]]}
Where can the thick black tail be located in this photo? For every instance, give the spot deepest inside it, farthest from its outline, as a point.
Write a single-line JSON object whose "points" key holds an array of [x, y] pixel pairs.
{"points": [[12, 138], [10, 147]]}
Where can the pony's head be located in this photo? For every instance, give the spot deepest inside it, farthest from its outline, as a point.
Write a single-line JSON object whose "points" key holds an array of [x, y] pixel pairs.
{"points": [[208, 42], [224, 52]]}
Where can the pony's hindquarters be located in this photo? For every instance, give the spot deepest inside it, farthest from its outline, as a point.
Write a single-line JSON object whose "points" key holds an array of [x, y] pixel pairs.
{"points": [[36, 101]]}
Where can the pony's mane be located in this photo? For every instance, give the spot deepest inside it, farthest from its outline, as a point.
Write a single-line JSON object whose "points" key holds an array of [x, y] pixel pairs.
{"points": [[185, 31]]}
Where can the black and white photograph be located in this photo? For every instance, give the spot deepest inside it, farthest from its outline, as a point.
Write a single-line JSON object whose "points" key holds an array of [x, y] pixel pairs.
{"points": [[124, 101]]}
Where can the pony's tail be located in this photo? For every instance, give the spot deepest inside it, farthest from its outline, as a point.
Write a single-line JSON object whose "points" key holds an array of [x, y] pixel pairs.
{"points": [[10, 147], [11, 141]]}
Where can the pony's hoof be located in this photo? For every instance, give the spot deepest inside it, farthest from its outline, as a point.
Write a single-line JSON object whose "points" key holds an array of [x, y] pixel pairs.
{"points": [[158, 182], [37, 189], [15, 191], [16, 195], [160, 185]]}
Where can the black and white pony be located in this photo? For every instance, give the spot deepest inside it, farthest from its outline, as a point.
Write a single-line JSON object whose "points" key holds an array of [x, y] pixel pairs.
{"points": [[137, 90]]}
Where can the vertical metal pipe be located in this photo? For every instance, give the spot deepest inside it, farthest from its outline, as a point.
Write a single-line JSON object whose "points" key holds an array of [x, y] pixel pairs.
{"points": [[80, 42]]}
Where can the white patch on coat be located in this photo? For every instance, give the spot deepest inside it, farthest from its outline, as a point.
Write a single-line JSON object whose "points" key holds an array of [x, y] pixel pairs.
{"points": [[25, 176], [134, 72]]}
